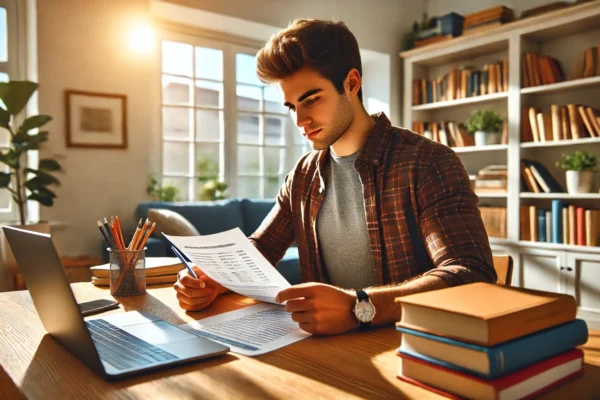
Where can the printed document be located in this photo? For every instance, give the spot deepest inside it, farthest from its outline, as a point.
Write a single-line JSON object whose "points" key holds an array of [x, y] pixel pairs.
{"points": [[231, 260], [251, 331]]}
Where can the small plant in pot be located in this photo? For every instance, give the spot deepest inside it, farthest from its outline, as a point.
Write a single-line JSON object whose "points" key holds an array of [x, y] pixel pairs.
{"points": [[580, 167], [486, 125]]}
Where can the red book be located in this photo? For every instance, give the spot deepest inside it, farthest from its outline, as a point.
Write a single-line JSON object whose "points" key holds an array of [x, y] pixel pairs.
{"points": [[580, 215], [528, 382]]}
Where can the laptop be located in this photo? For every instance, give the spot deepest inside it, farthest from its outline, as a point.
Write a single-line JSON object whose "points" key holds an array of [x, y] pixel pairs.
{"points": [[113, 346]]}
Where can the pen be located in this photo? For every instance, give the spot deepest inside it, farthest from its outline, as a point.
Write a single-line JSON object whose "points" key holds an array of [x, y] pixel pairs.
{"points": [[180, 256]]}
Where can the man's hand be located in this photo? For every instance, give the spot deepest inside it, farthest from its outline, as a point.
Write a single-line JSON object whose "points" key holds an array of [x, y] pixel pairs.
{"points": [[196, 294], [320, 309]]}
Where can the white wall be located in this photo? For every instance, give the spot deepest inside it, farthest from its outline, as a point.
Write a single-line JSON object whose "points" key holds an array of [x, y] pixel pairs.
{"points": [[464, 7], [84, 45]]}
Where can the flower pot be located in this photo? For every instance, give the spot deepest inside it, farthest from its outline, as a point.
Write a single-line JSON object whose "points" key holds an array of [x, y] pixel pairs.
{"points": [[579, 181], [487, 138], [9, 269]]}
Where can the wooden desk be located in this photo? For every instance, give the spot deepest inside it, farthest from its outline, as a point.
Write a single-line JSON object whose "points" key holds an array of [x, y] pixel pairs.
{"points": [[353, 365]]}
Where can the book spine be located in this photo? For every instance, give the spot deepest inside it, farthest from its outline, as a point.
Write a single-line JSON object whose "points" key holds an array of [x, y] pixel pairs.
{"points": [[557, 227], [520, 353], [541, 224]]}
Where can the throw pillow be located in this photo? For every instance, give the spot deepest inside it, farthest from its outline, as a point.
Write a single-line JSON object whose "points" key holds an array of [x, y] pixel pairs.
{"points": [[171, 223]]}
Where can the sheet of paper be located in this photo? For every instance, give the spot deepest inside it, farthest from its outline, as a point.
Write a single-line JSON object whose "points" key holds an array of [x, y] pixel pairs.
{"points": [[230, 259], [251, 331]]}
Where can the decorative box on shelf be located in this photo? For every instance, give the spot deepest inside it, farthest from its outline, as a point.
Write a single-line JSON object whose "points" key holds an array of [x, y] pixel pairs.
{"points": [[446, 27]]}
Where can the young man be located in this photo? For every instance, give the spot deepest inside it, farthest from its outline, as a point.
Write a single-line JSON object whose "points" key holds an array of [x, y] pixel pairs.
{"points": [[376, 211]]}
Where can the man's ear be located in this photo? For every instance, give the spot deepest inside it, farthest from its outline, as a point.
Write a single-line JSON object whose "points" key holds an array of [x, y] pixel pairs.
{"points": [[353, 82]]}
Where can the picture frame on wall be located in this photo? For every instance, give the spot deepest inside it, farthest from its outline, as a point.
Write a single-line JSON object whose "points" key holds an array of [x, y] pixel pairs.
{"points": [[96, 120]]}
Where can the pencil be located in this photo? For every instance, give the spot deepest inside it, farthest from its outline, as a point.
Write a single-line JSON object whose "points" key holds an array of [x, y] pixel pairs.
{"points": [[135, 235], [106, 236], [118, 225], [107, 227], [146, 236]]}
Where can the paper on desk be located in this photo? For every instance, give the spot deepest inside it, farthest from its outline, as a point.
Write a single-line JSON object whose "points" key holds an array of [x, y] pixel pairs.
{"points": [[251, 331], [231, 260]]}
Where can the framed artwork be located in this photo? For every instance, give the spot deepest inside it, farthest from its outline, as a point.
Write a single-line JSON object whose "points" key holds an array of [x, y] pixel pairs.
{"points": [[96, 120]]}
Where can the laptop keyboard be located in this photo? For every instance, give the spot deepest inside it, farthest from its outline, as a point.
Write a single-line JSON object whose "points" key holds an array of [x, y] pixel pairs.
{"points": [[123, 350]]}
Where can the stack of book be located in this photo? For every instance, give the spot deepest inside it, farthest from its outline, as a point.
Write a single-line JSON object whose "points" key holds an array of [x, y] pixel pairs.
{"points": [[492, 179], [536, 178], [461, 83], [487, 19], [562, 224], [572, 121], [588, 66], [159, 270], [485, 341], [539, 70], [446, 132]]}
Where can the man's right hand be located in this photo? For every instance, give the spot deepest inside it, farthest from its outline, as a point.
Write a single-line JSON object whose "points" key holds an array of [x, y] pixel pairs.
{"points": [[196, 294]]}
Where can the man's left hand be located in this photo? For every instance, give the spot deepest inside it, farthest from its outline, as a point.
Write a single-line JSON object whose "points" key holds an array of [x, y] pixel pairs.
{"points": [[320, 309]]}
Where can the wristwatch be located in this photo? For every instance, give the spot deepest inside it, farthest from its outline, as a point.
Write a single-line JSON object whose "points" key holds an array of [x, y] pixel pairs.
{"points": [[364, 310]]}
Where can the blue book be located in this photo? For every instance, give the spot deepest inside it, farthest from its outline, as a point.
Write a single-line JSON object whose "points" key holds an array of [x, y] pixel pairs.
{"points": [[557, 228], [496, 361], [541, 225]]}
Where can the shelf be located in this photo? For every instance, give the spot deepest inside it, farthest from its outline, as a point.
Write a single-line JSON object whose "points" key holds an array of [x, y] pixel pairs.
{"points": [[492, 195], [561, 86], [570, 142], [475, 149], [461, 102], [496, 240], [559, 196], [555, 246]]}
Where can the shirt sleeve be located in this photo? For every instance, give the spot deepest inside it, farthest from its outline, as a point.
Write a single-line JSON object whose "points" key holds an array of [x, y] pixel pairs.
{"points": [[451, 224], [276, 233]]}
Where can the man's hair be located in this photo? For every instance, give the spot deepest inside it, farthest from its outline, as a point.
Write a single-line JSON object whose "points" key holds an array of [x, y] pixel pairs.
{"points": [[325, 46]]}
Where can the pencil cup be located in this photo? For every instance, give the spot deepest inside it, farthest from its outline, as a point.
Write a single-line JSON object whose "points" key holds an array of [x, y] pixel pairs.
{"points": [[127, 272]]}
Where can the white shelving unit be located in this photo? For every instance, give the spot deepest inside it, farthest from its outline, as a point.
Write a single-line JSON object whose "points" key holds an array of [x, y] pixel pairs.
{"points": [[563, 34]]}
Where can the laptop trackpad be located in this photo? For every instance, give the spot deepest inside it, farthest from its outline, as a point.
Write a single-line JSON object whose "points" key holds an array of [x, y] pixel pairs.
{"points": [[158, 332]]}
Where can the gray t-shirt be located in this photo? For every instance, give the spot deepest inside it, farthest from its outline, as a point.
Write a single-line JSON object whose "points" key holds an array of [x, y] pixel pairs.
{"points": [[342, 227]]}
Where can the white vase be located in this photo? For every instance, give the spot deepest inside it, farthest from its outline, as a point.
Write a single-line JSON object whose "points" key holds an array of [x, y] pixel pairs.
{"points": [[579, 181], [486, 138], [8, 268]]}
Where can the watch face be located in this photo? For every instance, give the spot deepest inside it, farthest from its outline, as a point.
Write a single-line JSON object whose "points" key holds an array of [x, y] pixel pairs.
{"points": [[364, 311]]}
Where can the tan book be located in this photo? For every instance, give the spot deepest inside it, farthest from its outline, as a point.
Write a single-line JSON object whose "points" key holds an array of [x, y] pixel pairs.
{"points": [[534, 125], [590, 62], [574, 119], [504, 137], [150, 280], [587, 123], [524, 218], [542, 128], [533, 223], [485, 313], [532, 181], [565, 225], [556, 125], [499, 84], [572, 225], [505, 75], [491, 79], [589, 226], [154, 266], [564, 120], [591, 113]]}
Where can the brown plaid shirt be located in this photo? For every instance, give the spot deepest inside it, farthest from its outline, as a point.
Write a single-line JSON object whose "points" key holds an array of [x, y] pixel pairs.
{"points": [[421, 212]]}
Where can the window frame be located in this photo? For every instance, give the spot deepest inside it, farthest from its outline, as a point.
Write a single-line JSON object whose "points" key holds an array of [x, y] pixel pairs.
{"points": [[229, 129]]}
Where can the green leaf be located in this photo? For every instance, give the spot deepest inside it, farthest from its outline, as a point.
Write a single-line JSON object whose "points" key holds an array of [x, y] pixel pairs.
{"points": [[45, 192], [16, 94], [42, 199], [9, 158], [41, 181], [34, 122], [4, 179], [4, 118], [25, 141], [49, 164]]}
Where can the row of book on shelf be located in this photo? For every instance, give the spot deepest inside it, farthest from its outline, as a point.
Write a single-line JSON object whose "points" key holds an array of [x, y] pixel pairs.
{"points": [[572, 121], [449, 133], [489, 341], [561, 224], [538, 70], [461, 83], [491, 179]]}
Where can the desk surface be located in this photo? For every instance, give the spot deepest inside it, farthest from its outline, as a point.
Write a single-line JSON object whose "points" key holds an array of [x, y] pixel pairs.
{"points": [[353, 365]]}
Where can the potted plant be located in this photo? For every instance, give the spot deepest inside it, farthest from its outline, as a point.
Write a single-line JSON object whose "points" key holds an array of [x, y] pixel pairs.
{"points": [[580, 167], [159, 192], [24, 183], [486, 125]]}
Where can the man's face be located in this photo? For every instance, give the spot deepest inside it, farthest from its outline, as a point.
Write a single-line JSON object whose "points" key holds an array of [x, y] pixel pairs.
{"points": [[320, 112]]}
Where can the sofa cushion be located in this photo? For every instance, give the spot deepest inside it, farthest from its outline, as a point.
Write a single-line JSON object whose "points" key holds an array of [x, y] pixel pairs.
{"points": [[254, 212], [208, 217], [170, 222]]}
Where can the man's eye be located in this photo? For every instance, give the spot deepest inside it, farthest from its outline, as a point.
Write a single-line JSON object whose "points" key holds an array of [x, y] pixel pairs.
{"points": [[311, 101]]}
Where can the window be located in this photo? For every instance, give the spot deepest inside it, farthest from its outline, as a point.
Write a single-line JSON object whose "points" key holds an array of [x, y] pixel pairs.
{"points": [[220, 122], [8, 67]]}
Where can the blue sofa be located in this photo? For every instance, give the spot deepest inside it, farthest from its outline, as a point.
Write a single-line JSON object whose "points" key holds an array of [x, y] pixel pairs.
{"points": [[210, 217]]}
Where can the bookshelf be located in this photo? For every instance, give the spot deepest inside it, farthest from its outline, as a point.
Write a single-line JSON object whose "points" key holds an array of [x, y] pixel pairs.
{"points": [[562, 34]]}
